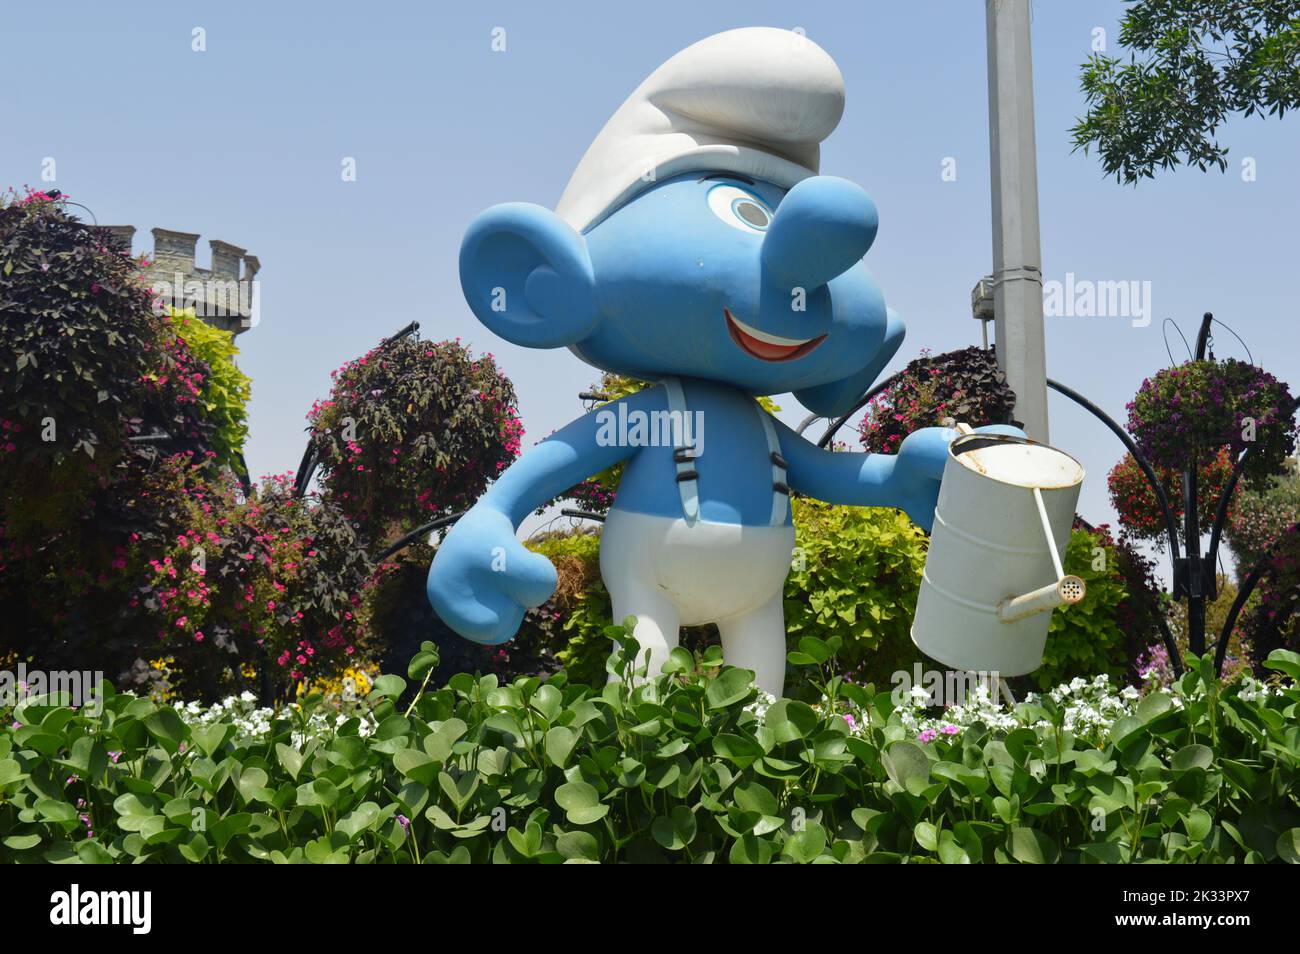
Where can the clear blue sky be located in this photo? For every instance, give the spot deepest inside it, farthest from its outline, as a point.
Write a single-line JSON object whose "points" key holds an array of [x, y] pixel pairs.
{"points": [[244, 142]]}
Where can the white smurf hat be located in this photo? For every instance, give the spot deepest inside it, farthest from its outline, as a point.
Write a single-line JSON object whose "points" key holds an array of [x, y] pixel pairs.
{"points": [[757, 101]]}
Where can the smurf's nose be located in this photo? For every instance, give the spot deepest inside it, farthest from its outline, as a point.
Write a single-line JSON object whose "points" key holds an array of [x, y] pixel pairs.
{"points": [[821, 228]]}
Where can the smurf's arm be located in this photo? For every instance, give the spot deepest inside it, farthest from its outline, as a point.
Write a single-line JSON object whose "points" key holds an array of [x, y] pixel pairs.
{"points": [[570, 455], [482, 578], [908, 480]]}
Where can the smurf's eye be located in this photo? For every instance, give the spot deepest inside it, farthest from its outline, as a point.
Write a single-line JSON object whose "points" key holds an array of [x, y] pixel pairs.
{"points": [[739, 209]]}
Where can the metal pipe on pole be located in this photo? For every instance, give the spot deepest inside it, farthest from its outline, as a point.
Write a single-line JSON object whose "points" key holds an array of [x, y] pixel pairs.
{"points": [[1017, 261]]}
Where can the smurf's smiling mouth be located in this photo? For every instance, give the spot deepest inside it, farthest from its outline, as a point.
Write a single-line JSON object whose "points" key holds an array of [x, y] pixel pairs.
{"points": [[767, 347]]}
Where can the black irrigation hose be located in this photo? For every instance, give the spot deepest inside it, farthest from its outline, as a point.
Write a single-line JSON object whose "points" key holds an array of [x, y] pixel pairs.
{"points": [[862, 402], [305, 470], [1171, 526], [1175, 657], [1221, 511], [245, 479], [410, 329], [417, 533], [1257, 573], [428, 528]]}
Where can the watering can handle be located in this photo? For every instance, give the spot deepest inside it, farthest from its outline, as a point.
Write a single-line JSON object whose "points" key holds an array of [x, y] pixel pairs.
{"points": [[1047, 532], [1066, 590]]}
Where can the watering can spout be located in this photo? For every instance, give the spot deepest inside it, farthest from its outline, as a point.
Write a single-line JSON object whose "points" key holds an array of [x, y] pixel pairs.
{"points": [[1064, 592]]}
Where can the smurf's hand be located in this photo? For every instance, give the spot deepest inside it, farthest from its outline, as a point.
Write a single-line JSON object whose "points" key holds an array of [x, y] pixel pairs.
{"points": [[919, 468], [483, 579]]}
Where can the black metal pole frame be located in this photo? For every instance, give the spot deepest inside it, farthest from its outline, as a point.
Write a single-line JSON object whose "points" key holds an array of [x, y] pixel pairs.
{"points": [[1194, 573]]}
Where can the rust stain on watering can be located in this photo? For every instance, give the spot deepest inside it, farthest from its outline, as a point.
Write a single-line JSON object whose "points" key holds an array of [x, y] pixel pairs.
{"points": [[971, 458]]}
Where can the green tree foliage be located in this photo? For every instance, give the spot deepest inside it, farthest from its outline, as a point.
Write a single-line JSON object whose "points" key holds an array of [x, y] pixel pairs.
{"points": [[86, 364], [1191, 65], [80, 337]]}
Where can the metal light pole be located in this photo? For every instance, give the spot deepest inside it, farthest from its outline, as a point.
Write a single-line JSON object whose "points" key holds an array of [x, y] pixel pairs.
{"points": [[1017, 263]]}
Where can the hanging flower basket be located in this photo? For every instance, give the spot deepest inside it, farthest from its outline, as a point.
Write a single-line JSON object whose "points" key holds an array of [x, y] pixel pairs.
{"points": [[964, 385], [1202, 406], [1139, 511]]}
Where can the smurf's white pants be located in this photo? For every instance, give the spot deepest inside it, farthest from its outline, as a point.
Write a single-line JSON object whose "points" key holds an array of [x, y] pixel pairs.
{"points": [[668, 574]]}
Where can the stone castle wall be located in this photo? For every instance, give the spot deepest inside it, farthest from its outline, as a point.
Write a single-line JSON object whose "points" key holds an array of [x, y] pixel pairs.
{"points": [[223, 294]]}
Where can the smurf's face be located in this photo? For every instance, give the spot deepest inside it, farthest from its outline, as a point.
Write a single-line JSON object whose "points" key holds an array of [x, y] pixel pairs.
{"points": [[723, 277], [709, 275]]}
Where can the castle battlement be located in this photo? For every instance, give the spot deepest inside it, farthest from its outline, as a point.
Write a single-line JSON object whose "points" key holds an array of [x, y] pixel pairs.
{"points": [[221, 294]]}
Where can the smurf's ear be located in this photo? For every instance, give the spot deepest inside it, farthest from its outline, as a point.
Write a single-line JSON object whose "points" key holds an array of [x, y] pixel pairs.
{"points": [[838, 397], [527, 276]]}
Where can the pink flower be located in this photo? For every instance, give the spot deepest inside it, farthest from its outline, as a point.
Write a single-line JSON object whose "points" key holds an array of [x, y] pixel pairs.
{"points": [[929, 735]]}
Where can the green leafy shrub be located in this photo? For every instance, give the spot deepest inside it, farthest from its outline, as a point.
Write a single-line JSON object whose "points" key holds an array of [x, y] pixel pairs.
{"points": [[1087, 638], [572, 623], [86, 365], [80, 337], [260, 593], [689, 767], [855, 576], [225, 391], [1144, 604]]}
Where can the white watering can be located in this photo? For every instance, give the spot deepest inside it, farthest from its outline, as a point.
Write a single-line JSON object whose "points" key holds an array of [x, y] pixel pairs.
{"points": [[993, 573]]}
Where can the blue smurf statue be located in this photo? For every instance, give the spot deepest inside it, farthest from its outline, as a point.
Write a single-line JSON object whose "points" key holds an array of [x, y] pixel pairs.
{"points": [[697, 247]]}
